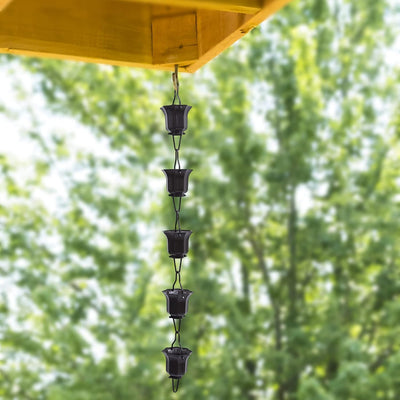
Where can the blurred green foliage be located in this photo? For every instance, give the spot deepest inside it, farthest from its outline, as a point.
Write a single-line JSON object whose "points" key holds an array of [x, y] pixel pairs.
{"points": [[294, 204]]}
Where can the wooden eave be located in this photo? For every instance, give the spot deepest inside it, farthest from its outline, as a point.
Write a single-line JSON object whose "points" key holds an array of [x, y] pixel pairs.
{"points": [[149, 34]]}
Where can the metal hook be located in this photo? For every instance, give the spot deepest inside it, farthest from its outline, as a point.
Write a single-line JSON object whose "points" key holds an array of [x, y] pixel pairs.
{"points": [[175, 79]]}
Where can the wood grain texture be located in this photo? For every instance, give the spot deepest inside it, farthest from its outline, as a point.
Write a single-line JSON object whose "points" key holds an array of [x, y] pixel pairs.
{"points": [[175, 39], [99, 30], [237, 6], [139, 33], [224, 24]]}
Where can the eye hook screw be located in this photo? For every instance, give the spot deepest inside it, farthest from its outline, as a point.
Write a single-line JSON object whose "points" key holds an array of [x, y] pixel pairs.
{"points": [[175, 82]]}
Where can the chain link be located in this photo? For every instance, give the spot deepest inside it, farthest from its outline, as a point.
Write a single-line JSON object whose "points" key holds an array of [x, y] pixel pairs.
{"points": [[177, 328], [177, 207], [177, 147], [175, 384], [177, 273]]}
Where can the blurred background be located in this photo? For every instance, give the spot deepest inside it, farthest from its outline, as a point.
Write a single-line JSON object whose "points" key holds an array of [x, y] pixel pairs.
{"points": [[294, 204]]}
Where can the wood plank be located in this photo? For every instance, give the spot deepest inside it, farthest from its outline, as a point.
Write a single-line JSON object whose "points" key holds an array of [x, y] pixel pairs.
{"points": [[4, 4], [121, 62], [175, 39], [124, 32], [211, 45], [223, 25], [237, 6], [158, 11], [105, 31]]}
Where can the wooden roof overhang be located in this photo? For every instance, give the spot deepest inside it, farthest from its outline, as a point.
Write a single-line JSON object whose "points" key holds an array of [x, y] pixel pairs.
{"points": [[140, 33]]}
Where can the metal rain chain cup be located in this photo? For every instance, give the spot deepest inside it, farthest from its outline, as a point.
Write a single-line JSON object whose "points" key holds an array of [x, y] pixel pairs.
{"points": [[177, 181], [177, 302], [178, 243], [176, 118], [176, 122], [177, 358]]}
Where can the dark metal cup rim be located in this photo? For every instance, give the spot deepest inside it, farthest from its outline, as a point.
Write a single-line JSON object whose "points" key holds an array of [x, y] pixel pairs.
{"points": [[175, 106], [184, 231], [177, 351], [174, 171], [186, 292]]}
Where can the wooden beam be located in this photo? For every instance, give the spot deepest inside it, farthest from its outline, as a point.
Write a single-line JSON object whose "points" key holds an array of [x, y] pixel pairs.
{"points": [[237, 6], [100, 31], [224, 24], [227, 29], [175, 39], [4, 4], [138, 33]]}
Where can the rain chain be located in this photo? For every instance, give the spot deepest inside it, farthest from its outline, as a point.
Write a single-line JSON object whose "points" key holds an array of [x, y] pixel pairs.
{"points": [[178, 239]]}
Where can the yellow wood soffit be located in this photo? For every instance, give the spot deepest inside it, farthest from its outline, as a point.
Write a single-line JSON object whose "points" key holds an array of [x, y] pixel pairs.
{"points": [[4, 4], [237, 6], [136, 33]]}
